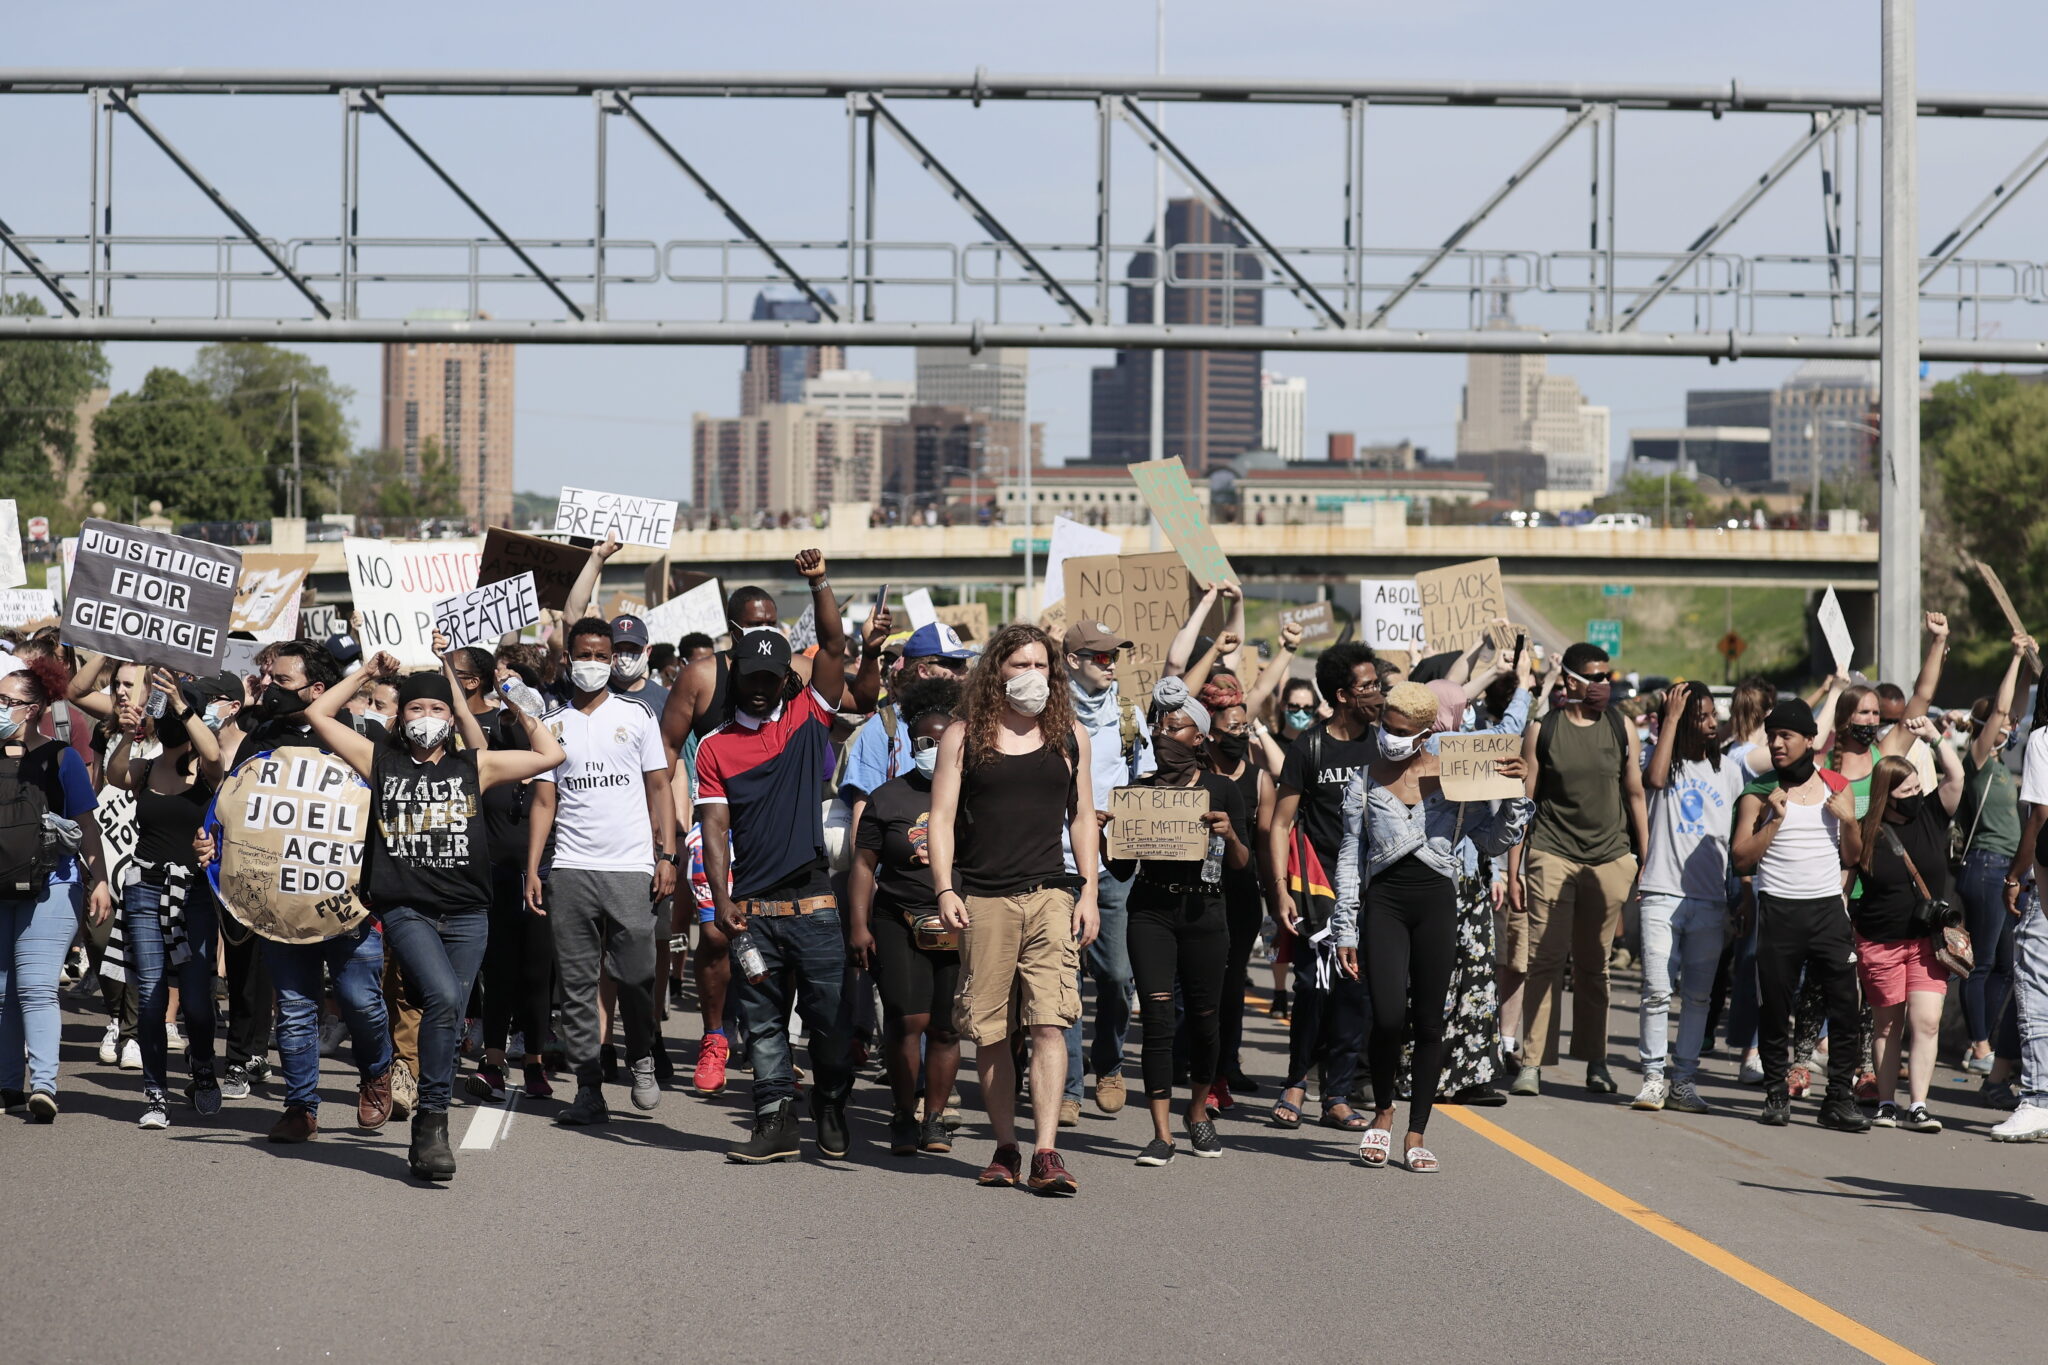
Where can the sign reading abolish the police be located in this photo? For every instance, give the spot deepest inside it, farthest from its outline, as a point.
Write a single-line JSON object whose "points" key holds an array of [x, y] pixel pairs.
{"points": [[634, 521], [289, 825], [481, 615], [1163, 824], [151, 597]]}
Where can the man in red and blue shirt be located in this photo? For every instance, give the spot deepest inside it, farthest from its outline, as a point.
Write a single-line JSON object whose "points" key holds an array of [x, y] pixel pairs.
{"points": [[761, 779]]}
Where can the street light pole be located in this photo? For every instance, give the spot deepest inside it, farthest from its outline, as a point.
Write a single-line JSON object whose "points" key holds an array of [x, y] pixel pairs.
{"points": [[1898, 563]]}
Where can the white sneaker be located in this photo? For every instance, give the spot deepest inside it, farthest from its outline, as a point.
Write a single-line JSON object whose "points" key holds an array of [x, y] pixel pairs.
{"points": [[110, 1044], [131, 1056], [156, 1111], [1651, 1096], [2029, 1123], [174, 1037], [1752, 1072]]}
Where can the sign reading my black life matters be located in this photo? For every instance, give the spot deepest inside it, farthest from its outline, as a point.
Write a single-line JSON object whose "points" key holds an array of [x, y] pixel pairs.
{"points": [[150, 597], [1163, 824]]}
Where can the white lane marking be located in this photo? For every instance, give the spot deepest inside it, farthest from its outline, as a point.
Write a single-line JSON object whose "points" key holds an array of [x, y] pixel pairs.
{"points": [[488, 1126]]}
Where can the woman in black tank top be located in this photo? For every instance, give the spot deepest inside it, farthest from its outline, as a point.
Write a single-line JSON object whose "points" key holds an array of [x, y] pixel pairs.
{"points": [[426, 865], [167, 913], [1244, 898]]}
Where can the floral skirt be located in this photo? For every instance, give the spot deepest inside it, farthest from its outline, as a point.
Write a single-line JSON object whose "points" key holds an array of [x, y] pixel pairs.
{"points": [[1472, 1005]]}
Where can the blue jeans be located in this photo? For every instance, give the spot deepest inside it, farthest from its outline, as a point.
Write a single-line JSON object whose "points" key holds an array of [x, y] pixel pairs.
{"points": [[34, 937], [1108, 960], [357, 961], [1689, 930], [1745, 1008], [806, 953], [140, 906], [1982, 888], [441, 955], [2030, 1001]]}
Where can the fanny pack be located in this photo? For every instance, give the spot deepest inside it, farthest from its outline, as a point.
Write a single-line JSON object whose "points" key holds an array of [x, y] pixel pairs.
{"points": [[933, 934]]}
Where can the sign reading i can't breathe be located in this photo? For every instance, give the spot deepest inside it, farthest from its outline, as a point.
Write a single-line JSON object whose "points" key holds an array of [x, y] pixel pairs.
{"points": [[601, 516], [289, 825], [481, 615], [151, 597]]}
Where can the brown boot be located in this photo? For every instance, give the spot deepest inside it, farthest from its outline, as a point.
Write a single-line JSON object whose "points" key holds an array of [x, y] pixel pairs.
{"points": [[373, 1102], [297, 1125]]}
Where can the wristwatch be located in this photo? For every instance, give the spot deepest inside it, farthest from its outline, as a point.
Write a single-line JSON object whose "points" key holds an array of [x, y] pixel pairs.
{"points": [[673, 859]]}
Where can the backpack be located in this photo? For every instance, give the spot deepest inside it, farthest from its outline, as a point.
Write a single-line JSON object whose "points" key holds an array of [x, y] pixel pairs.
{"points": [[26, 854], [1615, 720], [1128, 732]]}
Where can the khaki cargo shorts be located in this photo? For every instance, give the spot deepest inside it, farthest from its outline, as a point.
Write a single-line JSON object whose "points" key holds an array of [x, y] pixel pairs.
{"points": [[1019, 965]]}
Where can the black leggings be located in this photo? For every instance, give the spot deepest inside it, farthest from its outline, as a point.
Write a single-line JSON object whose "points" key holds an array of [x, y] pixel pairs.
{"points": [[1184, 937], [1244, 910], [519, 967], [1408, 941]]}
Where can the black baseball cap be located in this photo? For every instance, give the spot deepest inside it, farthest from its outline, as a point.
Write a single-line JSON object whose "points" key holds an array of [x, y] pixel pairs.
{"points": [[763, 650]]}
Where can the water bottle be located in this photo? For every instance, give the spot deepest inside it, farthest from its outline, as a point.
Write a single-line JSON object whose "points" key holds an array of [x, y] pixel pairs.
{"points": [[516, 692], [156, 704], [747, 955], [1212, 866]]}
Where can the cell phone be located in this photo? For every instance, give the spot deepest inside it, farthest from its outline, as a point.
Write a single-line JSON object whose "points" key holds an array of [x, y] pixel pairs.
{"points": [[1515, 654], [882, 596]]}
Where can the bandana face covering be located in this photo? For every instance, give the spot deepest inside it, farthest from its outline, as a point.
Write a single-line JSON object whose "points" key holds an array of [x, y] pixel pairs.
{"points": [[1798, 774], [1177, 761]]}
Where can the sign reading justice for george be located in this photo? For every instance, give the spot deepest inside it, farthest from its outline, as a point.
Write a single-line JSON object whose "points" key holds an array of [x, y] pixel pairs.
{"points": [[1163, 824], [150, 597]]}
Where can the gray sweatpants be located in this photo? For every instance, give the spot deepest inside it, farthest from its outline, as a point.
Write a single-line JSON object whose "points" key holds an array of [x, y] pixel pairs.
{"points": [[603, 919]]}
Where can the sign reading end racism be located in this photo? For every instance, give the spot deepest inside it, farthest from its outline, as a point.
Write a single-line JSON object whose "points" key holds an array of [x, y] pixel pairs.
{"points": [[289, 825], [1163, 824], [150, 597]]}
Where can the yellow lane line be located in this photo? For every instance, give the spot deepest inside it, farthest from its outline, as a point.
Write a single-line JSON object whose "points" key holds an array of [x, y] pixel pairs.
{"points": [[1844, 1329]]}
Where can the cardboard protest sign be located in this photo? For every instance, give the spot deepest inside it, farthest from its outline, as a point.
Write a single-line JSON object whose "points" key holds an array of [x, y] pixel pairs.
{"points": [[317, 623], [1318, 621], [970, 619], [1053, 620], [917, 606], [1141, 598], [13, 572], [26, 606], [268, 591], [1074, 540], [654, 582], [1459, 602], [700, 610], [289, 825], [1503, 638], [1390, 615], [120, 832], [397, 585], [1835, 628], [240, 657], [481, 615], [1466, 766], [602, 516], [804, 632], [1184, 515], [2012, 618], [150, 597], [1160, 823], [554, 565]]}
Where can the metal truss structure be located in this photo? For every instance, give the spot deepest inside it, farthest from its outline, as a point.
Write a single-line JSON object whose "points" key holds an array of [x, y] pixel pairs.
{"points": [[983, 285]]}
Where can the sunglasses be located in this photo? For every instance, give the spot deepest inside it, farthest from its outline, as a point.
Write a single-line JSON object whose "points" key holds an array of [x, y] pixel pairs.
{"points": [[1098, 658], [923, 744]]}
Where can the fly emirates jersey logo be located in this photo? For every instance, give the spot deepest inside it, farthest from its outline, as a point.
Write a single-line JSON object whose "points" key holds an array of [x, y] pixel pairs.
{"points": [[595, 774]]}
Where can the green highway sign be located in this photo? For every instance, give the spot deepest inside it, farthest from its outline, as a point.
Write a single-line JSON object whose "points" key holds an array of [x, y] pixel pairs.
{"points": [[1606, 634], [1038, 547], [1617, 590]]}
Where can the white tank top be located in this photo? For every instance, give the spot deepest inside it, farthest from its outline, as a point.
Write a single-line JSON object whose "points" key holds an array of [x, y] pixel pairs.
{"points": [[1804, 861]]}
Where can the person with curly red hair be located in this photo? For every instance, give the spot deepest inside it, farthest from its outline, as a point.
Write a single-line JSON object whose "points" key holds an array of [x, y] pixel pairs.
{"points": [[45, 885]]}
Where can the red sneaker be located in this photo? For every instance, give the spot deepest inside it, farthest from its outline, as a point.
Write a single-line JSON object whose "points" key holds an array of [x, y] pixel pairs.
{"points": [[537, 1086], [1797, 1081], [1003, 1168], [1049, 1175], [1219, 1096], [1866, 1087], [711, 1054]]}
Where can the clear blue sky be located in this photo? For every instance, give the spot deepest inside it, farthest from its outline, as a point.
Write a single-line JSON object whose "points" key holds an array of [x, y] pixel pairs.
{"points": [[530, 163]]}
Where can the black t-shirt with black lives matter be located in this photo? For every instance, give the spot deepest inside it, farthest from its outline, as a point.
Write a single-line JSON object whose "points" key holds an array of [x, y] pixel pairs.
{"points": [[1321, 816], [427, 847]]}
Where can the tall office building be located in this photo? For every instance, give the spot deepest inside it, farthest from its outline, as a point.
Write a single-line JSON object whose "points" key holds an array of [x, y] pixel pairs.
{"points": [[1819, 421], [860, 397], [458, 393], [1283, 416], [1728, 407], [776, 374], [789, 457], [995, 382], [1513, 402], [1211, 409]]}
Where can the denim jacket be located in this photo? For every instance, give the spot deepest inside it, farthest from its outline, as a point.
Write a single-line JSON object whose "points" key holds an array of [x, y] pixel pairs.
{"points": [[1380, 829]]}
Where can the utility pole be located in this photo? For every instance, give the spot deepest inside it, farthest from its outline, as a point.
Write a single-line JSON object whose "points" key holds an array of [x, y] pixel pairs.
{"points": [[1898, 545], [1158, 255], [296, 505]]}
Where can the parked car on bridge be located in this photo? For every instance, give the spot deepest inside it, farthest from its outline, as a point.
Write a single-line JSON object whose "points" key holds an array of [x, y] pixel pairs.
{"points": [[1618, 521]]}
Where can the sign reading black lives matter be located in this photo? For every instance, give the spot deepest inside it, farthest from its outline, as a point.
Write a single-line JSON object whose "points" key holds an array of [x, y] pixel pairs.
{"points": [[289, 825], [150, 597]]}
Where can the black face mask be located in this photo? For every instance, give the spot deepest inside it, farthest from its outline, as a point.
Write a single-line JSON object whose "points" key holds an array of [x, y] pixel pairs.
{"points": [[1231, 748], [279, 701], [1177, 761], [1866, 735], [1909, 806], [1798, 774]]}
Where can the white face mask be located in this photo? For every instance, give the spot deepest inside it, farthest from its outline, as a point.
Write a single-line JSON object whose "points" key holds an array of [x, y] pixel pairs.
{"points": [[590, 675], [429, 732], [927, 760], [10, 722], [1028, 692], [629, 667], [217, 715], [1398, 748]]}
